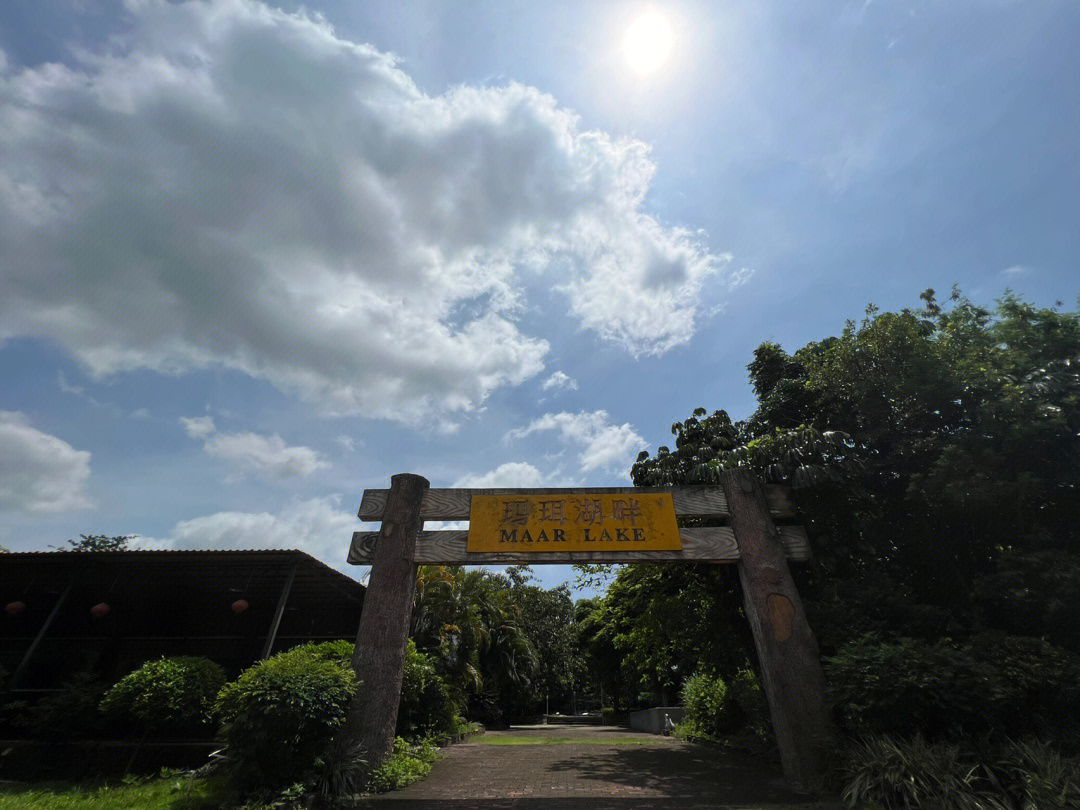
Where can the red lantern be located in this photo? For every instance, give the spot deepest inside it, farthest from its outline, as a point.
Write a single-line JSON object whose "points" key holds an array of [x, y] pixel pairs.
{"points": [[239, 606], [15, 608], [99, 610]]}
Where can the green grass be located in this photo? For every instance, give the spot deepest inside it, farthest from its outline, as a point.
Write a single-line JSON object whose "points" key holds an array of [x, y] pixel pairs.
{"points": [[488, 739], [180, 794], [157, 794]]}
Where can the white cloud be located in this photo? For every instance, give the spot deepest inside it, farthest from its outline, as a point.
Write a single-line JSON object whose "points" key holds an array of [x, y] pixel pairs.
{"points": [[643, 287], [78, 391], [1015, 270], [348, 443], [231, 185], [602, 445], [67, 387], [266, 455], [509, 475], [559, 380], [198, 427], [39, 472], [318, 526]]}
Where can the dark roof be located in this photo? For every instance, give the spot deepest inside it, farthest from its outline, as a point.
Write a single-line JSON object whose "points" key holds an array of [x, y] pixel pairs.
{"points": [[208, 565], [166, 603]]}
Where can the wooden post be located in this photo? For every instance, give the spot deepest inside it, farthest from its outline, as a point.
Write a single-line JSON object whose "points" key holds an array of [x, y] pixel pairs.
{"points": [[275, 623], [379, 659], [790, 661], [20, 670]]}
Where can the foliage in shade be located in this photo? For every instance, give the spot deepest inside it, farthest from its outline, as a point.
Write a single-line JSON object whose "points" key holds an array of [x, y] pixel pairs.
{"points": [[1037, 777], [745, 693], [933, 455], [995, 684], [717, 709], [901, 775], [708, 706], [1039, 686], [69, 713], [911, 686], [426, 705], [167, 695], [658, 622]]}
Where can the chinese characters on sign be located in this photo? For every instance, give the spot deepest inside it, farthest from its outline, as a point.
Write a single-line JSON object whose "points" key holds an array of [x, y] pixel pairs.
{"points": [[587, 522]]}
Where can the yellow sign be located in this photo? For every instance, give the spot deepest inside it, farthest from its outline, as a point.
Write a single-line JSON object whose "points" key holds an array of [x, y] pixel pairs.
{"points": [[588, 522]]}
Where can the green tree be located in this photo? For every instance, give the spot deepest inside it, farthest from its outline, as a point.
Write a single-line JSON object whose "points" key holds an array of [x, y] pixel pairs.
{"points": [[547, 620], [933, 455], [469, 624], [966, 422], [102, 542], [656, 622], [601, 662]]}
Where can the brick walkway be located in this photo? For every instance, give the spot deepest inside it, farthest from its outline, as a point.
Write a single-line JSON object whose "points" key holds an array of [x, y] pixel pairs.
{"points": [[589, 773]]}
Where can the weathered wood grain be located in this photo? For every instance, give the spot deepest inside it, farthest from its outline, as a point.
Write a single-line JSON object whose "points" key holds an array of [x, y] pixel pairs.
{"points": [[713, 544], [787, 650], [379, 656], [454, 504]]}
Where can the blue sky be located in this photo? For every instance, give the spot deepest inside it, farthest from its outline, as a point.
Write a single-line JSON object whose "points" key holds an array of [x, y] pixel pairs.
{"points": [[256, 258]]}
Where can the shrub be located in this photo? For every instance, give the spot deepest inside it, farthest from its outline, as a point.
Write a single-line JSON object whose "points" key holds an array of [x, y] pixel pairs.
{"points": [[426, 706], [340, 651], [69, 713], [280, 715], [408, 763], [170, 694], [1039, 685], [900, 775], [748, 703], [1037, 777], [911, 686], [709, 710]]}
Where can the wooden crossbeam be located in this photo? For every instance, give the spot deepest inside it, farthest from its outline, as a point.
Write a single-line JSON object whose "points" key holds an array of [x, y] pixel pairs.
{"points": [[790, 661], [454, 504], [711, 544]]}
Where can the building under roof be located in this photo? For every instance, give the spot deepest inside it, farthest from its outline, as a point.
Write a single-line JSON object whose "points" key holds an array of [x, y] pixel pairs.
{"points": [[106, 612]]}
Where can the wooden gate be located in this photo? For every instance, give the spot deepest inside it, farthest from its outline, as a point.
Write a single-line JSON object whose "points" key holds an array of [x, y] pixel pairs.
{"points": [[613, 525]]}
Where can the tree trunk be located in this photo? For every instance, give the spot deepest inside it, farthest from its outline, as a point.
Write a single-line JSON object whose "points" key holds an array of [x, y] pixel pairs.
{"points": [[791, 672], [379, 659]]}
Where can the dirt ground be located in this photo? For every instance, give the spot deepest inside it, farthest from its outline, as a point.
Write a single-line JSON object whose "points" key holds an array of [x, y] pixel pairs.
{"points": [[591, 768]]}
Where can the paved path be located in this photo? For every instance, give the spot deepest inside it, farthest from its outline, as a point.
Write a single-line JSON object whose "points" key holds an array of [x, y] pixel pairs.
{"points": [[599, 768]]}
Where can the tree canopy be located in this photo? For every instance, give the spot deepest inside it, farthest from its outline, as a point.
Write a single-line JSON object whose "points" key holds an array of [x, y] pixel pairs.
{"points": [[935, 455], [102, 542]]}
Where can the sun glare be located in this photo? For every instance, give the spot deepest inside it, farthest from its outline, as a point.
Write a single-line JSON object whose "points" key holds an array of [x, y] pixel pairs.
{"points": [[648, 42]]}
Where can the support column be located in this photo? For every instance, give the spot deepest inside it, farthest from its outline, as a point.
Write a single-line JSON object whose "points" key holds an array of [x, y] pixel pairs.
{"points": [[20, 670], [276, 623], [379, 659], [791, 672]]}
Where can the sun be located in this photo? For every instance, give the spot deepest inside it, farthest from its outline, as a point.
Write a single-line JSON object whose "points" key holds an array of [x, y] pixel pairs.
{"points": [[648, 42]]}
